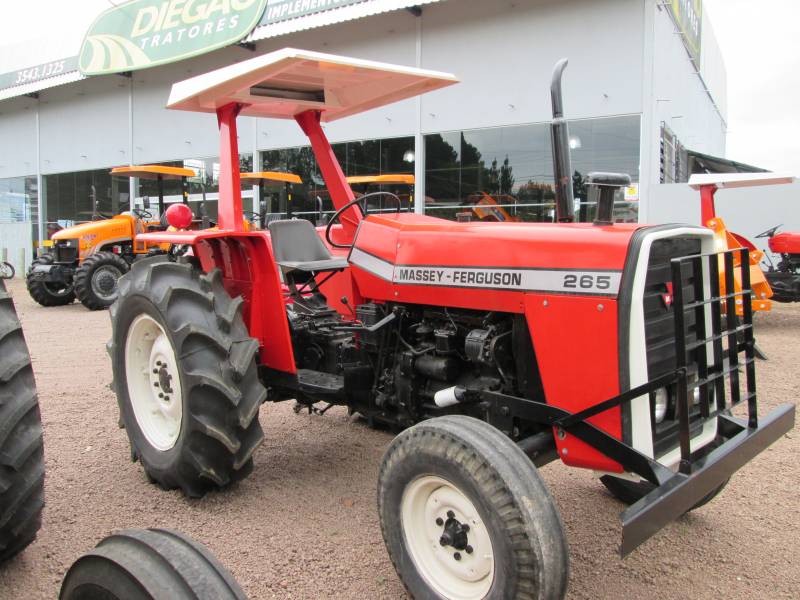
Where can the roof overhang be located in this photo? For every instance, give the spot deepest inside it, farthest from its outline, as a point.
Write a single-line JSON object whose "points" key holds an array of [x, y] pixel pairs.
{"points": [[153, 172], [739, 180], [286, 82]]}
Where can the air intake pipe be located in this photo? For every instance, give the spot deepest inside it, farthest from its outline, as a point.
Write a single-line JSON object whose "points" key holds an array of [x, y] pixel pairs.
{"points": [[602, 189], [559, 137]]}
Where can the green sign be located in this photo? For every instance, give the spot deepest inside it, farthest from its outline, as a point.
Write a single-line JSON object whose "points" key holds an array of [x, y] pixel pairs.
{"points": [[146, 33], [38, 72], [282, 10], [688, 15]]}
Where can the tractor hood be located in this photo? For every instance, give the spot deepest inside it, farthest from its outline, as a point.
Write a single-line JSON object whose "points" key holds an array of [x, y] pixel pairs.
{"points": [[116, 228]]}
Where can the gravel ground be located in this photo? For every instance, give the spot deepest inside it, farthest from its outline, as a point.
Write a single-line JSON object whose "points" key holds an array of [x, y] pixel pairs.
{"points": [[305, 525]]}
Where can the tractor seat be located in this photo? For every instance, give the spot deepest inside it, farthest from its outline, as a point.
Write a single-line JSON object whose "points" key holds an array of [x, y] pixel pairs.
{"points": [[298, 247]]}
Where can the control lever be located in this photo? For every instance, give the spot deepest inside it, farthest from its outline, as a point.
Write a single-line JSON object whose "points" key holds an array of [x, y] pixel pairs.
{"points": [[363, 328]]}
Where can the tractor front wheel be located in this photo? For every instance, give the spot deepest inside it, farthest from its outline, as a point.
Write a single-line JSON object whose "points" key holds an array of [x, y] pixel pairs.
{"points": [[465, 515], [48, 293], [96, 280], [185, 376]]}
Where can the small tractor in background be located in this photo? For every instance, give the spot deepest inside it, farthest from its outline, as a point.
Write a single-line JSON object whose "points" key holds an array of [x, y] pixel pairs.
{"points": [[780, 283], [464, 335], [276, 189], [86, 260], [400, 184]]}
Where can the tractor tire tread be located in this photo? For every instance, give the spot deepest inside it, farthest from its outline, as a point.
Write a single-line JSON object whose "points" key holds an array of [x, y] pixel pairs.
{"points": [[83, 278], [21, 449], [38, 289]]}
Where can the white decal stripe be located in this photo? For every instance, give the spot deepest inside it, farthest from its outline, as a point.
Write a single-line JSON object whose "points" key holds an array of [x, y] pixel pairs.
{"points": [[377, 266], [601, 283]]}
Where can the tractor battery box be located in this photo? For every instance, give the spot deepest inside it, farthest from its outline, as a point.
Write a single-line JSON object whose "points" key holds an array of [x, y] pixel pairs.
{"points": [[369, 314]]}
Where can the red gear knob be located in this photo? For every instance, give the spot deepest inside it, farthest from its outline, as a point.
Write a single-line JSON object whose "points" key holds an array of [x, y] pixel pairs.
{"points": [[179, 216]]}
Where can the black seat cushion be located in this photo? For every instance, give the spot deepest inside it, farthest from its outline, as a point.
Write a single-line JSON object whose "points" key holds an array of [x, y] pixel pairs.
{"points": [[297, 246]]}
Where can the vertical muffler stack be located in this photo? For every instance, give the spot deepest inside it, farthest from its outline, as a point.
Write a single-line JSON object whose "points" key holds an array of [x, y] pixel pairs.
{"points": [[559, 138], [602, 190]]}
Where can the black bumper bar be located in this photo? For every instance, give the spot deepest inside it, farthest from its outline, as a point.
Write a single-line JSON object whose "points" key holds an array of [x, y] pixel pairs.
{"points": [[738, 445], [51, 273]]}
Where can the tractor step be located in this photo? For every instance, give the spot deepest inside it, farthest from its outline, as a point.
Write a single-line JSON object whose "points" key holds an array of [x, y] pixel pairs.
{"points": [[318, 383]]}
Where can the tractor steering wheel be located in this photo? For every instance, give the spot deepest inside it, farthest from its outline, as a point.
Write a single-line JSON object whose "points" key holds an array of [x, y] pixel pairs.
{"points": [[363, 209], [252, 216], [769, 232], [142, 213]]}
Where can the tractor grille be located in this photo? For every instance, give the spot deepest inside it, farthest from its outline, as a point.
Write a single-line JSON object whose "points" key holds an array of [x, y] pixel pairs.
{"points": [[660, 329], [65, 251]]}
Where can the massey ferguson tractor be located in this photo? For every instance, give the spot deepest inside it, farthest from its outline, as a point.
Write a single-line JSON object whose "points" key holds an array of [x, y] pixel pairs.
{"points": [[465, 335], [86, 260]]}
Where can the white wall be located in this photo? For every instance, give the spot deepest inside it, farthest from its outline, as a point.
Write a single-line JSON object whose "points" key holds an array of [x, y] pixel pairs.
{"points": [[17, 137], [747, 211]]}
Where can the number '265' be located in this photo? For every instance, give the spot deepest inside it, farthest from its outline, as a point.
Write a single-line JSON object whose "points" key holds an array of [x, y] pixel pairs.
{"points": [[587, 282]]}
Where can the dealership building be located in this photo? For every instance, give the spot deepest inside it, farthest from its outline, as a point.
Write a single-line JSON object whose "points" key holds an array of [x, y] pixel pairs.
{"points": [[644, 92]]}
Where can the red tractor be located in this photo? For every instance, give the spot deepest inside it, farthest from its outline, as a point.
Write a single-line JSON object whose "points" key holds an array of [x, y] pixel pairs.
{"points": [[783, 277], [466, 336]]}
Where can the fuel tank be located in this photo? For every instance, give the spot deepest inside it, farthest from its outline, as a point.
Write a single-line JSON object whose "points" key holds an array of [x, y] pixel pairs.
{"points": [[785, 243]]}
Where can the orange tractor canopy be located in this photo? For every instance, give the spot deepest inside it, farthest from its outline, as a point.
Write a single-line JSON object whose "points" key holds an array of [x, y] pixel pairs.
{"points": [[275, 193], [86, 260], [724, 239]]}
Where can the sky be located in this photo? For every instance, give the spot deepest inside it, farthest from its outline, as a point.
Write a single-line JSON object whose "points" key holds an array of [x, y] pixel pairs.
{"points": [[760, 43], [759, 39]]}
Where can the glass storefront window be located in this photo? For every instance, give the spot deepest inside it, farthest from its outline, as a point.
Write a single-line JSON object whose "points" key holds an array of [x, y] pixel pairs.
{"points": [[72, 198], [19, 203], [367, 157], [506, 173]]}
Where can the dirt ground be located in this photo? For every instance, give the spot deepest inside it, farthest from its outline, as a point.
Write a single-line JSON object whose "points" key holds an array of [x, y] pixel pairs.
{"points": [[305, 524]]}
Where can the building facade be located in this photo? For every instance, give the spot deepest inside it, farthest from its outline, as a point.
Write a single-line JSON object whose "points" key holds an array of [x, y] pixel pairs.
{"points": [[638, 69]]}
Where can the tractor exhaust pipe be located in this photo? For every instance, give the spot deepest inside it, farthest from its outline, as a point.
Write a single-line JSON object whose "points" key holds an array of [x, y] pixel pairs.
{"points": [[559, 137]]}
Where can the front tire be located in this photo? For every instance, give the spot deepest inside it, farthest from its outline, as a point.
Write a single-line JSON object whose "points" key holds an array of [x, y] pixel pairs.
{"points": [[465, 515], [21, 453], [96, 280], [185, 376], [149, 564], [48, 293]]}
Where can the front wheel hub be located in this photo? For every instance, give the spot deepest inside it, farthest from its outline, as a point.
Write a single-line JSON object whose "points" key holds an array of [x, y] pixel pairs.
{"points": [[447, 539]]}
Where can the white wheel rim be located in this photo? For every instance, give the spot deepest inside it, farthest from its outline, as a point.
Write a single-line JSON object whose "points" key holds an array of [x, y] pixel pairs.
{"points": [[154, 385], [424, 510]]}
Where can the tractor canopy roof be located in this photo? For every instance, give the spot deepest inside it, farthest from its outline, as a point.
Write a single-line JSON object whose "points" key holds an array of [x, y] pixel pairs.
{"points": [[153, 172], [392, 178], [287, 82], [267, 176], [739, 180]]}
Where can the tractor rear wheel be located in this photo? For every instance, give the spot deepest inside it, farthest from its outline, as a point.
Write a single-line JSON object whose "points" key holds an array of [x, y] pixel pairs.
{"points": [[96, 280], [48, 293], [21, 455], [149, 564], [465, 515], [185, 376]]}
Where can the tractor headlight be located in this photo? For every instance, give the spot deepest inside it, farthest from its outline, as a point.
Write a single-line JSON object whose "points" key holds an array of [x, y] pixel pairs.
{"points": [[661, 403]]}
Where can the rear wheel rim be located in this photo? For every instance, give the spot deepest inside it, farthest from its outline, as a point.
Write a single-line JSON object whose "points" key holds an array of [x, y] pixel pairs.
{"points": [[104, 282], [153, 381], [458, 567]]}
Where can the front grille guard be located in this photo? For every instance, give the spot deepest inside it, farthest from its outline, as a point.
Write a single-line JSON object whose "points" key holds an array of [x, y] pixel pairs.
{"points": [[736, 442]]}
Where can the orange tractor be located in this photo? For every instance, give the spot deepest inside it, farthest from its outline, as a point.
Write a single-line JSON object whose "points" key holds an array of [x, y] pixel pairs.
{"points": [[85, 261], [724, 239]]}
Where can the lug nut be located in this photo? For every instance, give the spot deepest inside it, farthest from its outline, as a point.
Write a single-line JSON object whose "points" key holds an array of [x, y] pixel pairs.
{"points": [[158, 363], [457, 556], [155, 384], [155, 371], [451, 514], [439, 522], [160, 395], [166, 398], [468, 549], [443, 541]]}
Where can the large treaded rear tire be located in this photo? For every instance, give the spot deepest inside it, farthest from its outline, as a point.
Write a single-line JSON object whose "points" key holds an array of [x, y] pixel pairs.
{"points": [[105, 264], [530, 553], [21, 453], [149, 564], [221, 391], [42, 292]]}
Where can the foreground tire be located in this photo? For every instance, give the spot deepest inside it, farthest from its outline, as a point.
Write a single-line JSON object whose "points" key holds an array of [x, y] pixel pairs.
{"points": [[21, 455], [149, 564], [96, 279], [630, 492], [48, 294], [185, 376], [465, 515]]}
